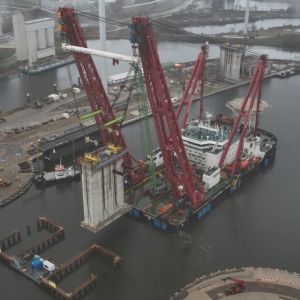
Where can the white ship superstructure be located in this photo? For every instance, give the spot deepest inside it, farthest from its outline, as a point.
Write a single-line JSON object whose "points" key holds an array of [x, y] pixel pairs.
{"points": [[204, 143]]}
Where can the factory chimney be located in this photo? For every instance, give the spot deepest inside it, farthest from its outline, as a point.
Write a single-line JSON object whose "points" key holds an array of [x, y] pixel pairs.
{"points": [[1, 33], [247, 11], [102, 32]]}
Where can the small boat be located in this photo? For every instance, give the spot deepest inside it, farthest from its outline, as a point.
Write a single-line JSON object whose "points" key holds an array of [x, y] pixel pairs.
{"points": [[60, 174]]}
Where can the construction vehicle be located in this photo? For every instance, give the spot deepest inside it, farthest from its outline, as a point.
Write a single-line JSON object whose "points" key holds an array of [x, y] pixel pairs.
{"points": [[237, 287]]}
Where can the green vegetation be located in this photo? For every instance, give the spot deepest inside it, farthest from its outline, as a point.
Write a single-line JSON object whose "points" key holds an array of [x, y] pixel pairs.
{"points": [[6, 53], [286, 41], [26, 3]]}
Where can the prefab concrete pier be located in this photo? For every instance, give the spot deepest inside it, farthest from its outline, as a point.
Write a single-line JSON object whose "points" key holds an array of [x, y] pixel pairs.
{"points": [[103, 187]]}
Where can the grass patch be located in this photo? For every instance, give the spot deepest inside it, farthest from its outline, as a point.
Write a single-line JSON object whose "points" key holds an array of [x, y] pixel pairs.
{"points": [[26, 3], [6, 53]]}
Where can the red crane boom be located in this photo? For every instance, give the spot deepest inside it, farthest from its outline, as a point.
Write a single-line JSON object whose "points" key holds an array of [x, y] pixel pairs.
{"points": [[253, 92], [197, 75], [95, 91], [177, 168]]}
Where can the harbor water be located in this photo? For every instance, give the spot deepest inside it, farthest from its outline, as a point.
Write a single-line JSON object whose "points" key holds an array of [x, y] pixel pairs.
{"points": [[256, 226], [13, 92]]}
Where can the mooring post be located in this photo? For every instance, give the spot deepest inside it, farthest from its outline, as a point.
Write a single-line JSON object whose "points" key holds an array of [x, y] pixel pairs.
{"points": [[28, 230]]}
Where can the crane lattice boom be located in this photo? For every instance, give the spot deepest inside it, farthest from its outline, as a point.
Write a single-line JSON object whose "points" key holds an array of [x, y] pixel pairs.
{"points": [[95, 91], [177, 168], [253, 92], [96, 52], [187, 98]]}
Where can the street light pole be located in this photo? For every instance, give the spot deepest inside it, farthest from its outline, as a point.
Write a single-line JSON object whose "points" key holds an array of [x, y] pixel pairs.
{"points": [[247, 11], [102, 32]]}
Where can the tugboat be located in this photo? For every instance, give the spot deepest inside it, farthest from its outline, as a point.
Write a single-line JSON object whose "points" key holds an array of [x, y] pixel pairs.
{"points": [[60, 174]]}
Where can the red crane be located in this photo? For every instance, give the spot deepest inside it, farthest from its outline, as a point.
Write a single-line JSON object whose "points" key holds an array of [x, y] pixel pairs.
{"points": [[197, 75], [238, 286], [254, 92], [177, 168], [97, 97]]}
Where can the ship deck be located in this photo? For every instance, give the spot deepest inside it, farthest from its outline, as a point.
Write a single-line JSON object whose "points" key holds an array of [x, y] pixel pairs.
{"points": [[162, 210]]}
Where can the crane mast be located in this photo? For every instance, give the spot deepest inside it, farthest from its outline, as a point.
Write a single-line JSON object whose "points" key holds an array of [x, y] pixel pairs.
{"points": [[177, 168], [197, 75], [97, 97], [254, 92]]}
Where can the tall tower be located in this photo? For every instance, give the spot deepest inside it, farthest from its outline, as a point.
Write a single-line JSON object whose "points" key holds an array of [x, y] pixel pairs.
{"points": [[20, 37], [102, 32], [1, 33], [247, 11]]}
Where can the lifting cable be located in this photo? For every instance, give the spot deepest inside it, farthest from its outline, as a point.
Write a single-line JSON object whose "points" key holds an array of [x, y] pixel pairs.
{"points": [[167, 27], [75, 102], [216, 40], [130, 71]]}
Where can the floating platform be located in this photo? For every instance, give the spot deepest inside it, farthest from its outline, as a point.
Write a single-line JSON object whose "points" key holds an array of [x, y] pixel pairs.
{"points": [[46, 273], [165, 214], [235, 105]]}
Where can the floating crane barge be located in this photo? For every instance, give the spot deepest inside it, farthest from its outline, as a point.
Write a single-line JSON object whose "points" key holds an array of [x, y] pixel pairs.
{"points": [[166, 214], [203, 159], [197, 162]]}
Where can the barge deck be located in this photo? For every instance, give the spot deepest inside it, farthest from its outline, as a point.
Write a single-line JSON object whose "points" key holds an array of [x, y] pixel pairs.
{"points": [[166, 214]]}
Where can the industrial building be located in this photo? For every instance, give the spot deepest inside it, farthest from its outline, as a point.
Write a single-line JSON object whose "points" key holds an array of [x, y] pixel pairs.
{"points": [[34, 39], [1, 32]]}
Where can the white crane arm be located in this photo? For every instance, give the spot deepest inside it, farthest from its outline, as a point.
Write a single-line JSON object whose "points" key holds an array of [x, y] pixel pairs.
{"points": [[106, 54]]}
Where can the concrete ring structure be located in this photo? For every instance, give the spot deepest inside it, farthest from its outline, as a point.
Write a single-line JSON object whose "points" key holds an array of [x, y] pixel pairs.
{"points": [[260, 284], [235, 105]]}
